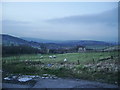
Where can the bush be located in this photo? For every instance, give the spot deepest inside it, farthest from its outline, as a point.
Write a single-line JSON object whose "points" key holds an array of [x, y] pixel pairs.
{"points": [[80, 67]]}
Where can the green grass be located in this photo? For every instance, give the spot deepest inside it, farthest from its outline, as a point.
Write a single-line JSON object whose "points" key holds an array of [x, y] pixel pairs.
{"points": [[71, 57], [36, 65]]}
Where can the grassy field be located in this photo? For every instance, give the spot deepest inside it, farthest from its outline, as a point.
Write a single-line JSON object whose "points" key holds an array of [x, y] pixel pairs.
{"points": [[103, 71], [71, 57]]}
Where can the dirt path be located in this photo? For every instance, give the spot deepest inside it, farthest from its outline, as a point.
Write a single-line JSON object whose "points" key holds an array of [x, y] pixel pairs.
{"points": [[10, 85], [61, 83], [70, 83]]}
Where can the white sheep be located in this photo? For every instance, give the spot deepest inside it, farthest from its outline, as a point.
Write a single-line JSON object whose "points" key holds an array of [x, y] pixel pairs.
{"points": [[54, 56], [50, 56], [41, 57], [65, 60]]}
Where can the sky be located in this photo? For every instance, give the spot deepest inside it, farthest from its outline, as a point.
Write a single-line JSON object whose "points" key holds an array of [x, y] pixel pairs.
{"points": [[61, 20]]}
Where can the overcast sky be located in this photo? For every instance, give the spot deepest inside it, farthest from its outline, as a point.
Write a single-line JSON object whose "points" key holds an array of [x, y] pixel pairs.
{"points": [[62, 20]]}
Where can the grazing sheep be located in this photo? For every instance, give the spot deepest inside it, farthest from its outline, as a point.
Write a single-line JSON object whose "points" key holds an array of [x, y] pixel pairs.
{"points": [[54, 56], [26, 60], [65, 60], [50, 57], [41, 57]]}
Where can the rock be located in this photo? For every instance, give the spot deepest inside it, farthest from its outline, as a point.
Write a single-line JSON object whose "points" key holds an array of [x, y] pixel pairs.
{"points": [[45, 74], [46, 77], [50, 77], [24, 79], [32, 76], [14, 77], [37, 76], [43, 77], [98, 65], [54, 77], [7, 78], [116, 82]]}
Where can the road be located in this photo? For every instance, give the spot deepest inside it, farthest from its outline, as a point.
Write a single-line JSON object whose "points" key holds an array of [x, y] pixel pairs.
{"points": [[61, 83]]}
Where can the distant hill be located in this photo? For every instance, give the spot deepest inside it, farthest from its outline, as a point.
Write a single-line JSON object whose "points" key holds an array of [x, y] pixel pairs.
{"points": [[70, 43], [8, 40], [52, 44], [40, 40]]}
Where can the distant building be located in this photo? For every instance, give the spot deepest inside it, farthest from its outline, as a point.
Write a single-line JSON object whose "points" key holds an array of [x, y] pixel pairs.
{"points": [[81, 49]]}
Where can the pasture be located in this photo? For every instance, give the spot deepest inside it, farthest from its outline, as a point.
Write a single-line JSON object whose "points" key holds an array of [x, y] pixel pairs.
{"points": [[71, 57], [98, 66]]}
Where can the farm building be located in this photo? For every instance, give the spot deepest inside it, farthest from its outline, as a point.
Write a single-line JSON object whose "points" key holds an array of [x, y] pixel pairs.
{"points": [[81, 49]]}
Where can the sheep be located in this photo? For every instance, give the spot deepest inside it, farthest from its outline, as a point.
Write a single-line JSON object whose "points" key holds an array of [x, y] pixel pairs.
{"points": [[54, 56], [26, 60], [41, 57], [50, 56], [65, 60]]}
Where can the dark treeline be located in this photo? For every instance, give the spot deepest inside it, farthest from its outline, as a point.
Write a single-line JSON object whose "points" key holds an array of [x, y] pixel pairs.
{"points": [[16, 50], [26, 49], [63, 50]]}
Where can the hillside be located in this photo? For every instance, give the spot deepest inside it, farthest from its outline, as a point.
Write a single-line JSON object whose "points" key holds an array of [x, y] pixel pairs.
{"points": [[51, 44], [40, 40], [71, 43], [8, 40]]}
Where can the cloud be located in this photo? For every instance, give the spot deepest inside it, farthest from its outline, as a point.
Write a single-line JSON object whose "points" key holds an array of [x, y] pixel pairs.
{"points": [[102, 26], [13, 22], [108, 17], [16, 27]]}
